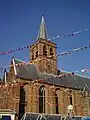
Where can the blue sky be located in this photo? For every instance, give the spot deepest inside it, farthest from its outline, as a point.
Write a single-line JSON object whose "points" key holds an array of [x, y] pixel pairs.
{"points": [[20, 21]]}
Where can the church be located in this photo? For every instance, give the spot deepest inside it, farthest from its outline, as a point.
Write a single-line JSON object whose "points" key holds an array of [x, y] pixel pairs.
{"points": [[39, 87]]}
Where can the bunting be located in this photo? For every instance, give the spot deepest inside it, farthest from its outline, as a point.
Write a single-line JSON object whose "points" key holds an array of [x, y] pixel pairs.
{"points": [[60, 76], [87, 70], [15, 50], [75, 33], [58, 54], [70, 34], [52, 39], [74, 50]]}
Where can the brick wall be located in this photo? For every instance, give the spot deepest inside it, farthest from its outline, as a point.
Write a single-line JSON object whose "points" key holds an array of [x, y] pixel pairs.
{"points": [[10, 98]]}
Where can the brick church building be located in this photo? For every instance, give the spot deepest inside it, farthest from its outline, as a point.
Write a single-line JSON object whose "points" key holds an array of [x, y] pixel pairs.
{"points": [[39, 87]]}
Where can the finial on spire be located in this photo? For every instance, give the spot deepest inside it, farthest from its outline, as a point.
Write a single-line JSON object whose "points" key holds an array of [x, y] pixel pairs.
{"points": [[42, 31], [42, 18]]}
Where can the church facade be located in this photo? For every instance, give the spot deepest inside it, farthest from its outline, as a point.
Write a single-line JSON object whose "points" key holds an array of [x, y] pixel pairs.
{"points": [[39, 87]]}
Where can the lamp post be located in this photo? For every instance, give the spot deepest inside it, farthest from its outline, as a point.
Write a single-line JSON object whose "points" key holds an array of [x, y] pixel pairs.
{"points": [[70, 111]]}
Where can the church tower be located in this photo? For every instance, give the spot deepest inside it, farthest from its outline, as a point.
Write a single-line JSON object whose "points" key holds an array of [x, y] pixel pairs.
{"points": [[43, 52]]}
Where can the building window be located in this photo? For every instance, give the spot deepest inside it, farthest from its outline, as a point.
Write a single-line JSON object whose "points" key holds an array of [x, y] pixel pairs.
{"points": [[36, 51], [32, 55], [36, 54], [42, 99], [89, 103], [70, 100], [51, 51], [44, 51], [56, 102], [22, 102]]}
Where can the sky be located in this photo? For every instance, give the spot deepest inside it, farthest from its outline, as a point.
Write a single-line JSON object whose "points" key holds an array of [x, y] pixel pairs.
{"points": [[19, 26]]}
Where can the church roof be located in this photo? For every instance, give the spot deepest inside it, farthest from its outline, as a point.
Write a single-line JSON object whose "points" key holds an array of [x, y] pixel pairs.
{"points": [[30, 72], [27, 71], [42, 31], [72, 81]]}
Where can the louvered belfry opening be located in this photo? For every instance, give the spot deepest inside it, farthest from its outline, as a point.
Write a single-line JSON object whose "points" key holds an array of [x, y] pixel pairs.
{"points": [[32, 55], [44, 51], [51, 51], [36, 51]]}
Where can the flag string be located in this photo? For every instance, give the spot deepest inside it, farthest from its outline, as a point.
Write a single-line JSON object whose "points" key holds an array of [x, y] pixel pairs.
{"points": [[74, 50], [62, 75], [70, 34], [15, 50], [76, 33], [58, 54]]}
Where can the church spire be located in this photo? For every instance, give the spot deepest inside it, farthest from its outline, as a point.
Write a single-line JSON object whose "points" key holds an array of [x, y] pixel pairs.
{"points": [[42, 31]]}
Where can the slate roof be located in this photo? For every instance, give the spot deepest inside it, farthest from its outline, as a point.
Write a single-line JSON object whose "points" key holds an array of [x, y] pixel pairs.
{"points": [[72, 81], [30, 72]]}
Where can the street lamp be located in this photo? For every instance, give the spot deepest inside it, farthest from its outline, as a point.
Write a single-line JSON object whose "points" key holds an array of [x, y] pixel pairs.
{"points": [[70, 111]]}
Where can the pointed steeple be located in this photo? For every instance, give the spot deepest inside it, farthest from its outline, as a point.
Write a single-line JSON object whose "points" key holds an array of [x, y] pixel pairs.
{"points": [[42, 31]]}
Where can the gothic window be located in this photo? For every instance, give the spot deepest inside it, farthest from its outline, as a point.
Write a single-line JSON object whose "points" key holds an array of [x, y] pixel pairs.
{"points": [[51, 51], [36, 51], [36, 54], [70, 99], [32, 54], [89, 103], [22, 102], [44, 51], [42, 99], [56, 102]]}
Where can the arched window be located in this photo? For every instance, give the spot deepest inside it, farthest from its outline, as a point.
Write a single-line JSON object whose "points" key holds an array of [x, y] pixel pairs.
{"points": [[70, 99], [22, 102], [89, 103], [36, 54], [36, 51], [44, 51], [56, 101], [51, 51], [32, 54], [42, 99]]}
